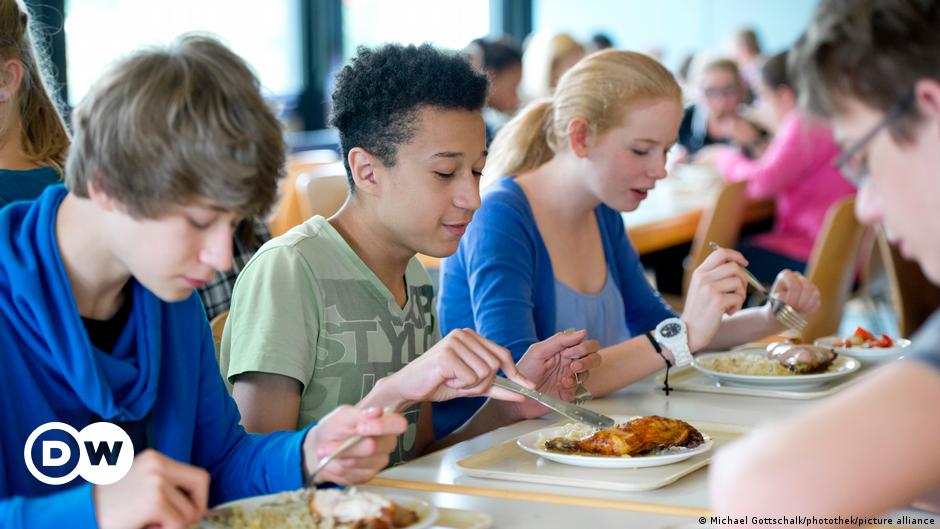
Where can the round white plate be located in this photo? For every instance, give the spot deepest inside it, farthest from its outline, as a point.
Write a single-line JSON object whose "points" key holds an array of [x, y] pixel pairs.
{"points": [[427, 513], [868, 355], [530, 441], [842, 366]]}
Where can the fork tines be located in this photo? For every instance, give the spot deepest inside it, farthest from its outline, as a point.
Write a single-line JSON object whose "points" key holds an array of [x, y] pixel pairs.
{"points": [[786, 315]]}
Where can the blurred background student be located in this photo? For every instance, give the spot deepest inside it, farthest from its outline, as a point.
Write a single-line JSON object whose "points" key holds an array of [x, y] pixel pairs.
{"points": [[598, 42], [33, 137], [747, 53], [715, 118], [796, 170], [546, 58], [501, 60]]}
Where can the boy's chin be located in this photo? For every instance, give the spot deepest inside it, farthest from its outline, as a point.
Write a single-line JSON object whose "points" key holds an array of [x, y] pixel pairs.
{"points": [[441, 249], [170, 293]]}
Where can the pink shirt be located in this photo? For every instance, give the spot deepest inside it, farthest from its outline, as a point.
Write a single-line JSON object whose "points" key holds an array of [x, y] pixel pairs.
{"points": [[797, 171]]}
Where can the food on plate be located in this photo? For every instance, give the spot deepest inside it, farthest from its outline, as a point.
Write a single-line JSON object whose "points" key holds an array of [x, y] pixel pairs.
{"points": [[326, 509], [863, 338], [650, 435], [342, 509], [802, 359], [779, 359]]}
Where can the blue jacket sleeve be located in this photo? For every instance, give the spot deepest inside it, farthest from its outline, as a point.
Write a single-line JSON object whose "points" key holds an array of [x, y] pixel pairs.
{"points": [[643, 306], [501, 274], [241, 464], [72, 507]]}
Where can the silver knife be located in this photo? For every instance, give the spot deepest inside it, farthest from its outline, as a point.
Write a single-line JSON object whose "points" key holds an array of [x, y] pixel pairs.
{"points": [[565, 408]]}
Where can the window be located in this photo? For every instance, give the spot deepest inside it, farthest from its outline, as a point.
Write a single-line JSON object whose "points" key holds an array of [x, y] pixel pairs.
{"points": [[445, 23], [266, 34]]}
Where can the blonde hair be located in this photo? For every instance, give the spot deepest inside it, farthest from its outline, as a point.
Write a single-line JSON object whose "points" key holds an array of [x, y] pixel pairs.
{"points": [[600, 89], [44, 138], [176, 124], [544, 53]]}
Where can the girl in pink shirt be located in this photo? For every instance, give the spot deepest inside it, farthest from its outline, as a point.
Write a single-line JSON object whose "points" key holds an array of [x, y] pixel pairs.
{"points": [[796, 169]]}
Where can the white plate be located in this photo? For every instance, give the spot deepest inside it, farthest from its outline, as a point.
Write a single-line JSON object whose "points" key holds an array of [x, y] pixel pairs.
{"points": [[530, 441], [868, 355], [842, 366], [427, 513]]}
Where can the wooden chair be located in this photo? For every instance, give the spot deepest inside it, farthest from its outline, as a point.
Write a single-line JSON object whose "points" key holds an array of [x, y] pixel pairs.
{"points": [[218, 325], [832, 267], [913, 296], [322, 190], [721, 223], [287, 211]]}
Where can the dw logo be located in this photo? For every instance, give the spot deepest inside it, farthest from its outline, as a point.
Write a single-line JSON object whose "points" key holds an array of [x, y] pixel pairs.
{"points": [[101, 453]]}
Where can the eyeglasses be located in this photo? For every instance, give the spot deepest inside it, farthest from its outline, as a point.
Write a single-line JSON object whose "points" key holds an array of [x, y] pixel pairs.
{"points": [[855, 167], [722, 91]]}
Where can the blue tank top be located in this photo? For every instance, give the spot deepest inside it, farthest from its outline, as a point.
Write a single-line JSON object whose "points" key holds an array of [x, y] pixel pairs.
{"points": [[602, 314]]}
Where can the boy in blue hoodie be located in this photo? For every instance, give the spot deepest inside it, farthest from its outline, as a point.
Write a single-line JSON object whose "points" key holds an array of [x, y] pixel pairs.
{"points": [[98, 316]]}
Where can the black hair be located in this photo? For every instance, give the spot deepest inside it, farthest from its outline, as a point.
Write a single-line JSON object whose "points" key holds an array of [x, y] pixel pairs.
{"points": [[601, 41], [774, 72], [498, 54], [379, 93]]}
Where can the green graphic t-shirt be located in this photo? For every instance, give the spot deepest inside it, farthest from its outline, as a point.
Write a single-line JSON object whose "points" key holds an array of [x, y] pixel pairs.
{"points": [[307, 307]]}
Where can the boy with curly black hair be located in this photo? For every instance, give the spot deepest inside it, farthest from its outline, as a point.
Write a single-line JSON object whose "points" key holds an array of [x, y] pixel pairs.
{"points": [[340, 311]]}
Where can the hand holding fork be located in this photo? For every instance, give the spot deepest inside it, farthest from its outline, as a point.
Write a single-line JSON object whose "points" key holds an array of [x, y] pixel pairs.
{"points": [[784, 313]]}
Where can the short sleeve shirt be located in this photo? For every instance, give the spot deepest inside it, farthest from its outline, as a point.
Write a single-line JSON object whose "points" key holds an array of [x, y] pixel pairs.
{"points": [[925, 344], [307, 307]]}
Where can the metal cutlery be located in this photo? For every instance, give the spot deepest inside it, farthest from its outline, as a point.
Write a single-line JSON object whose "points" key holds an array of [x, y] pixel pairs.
{"points": [[784, 313], [567, 409]]}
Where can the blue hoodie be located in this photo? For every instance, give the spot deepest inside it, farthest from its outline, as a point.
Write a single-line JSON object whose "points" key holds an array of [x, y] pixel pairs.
{"points": [[163, 365]]}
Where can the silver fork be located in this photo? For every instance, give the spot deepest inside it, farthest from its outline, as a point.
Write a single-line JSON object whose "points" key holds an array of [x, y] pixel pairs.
{"points": [[784, 313], [310, 485], [581, 393]]}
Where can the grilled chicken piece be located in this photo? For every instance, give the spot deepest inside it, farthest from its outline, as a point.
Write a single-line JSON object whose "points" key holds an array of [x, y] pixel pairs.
{"points": [[802, 359], [639, 436]]}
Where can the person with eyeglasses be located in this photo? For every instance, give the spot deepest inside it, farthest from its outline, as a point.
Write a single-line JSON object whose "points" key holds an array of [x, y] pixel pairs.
{"points": [[873, 70], [796, 170], [714, 118]]}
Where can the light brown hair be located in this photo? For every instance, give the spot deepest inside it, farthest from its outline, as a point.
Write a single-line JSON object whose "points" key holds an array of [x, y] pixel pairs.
{"points": [[748, 39], [44, 137], [177, 125], [720, 64], [874, 51], [543, 56], [601, 88]]}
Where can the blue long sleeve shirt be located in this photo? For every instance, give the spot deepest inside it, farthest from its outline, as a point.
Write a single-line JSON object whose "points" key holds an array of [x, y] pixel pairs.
{"points": [[162, 367], [25, 185], [500, 283]]}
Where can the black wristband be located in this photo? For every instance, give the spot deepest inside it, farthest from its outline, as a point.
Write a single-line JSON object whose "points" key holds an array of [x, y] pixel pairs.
{"points": [[659, 350]]}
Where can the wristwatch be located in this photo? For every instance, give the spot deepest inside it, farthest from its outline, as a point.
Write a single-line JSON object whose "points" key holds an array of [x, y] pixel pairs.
{"points": [[671, 333]]}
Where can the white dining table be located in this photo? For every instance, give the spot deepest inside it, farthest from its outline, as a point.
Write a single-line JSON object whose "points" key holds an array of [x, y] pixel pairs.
{"points": [[686, 499]]}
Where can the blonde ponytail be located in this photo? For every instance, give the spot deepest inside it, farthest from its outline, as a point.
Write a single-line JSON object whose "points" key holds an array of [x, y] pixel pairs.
{"points": [[522, 144], [601, 89]]}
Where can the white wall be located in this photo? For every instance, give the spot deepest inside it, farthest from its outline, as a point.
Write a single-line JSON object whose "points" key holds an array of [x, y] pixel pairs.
{"points": [[677, 27]]}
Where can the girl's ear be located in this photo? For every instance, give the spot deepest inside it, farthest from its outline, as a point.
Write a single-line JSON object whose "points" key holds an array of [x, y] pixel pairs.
{"points": [[579, 135], [11, 76]]}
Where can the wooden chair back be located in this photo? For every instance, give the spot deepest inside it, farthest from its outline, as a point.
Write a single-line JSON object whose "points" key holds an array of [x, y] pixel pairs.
{"points": [[832, 267]]}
